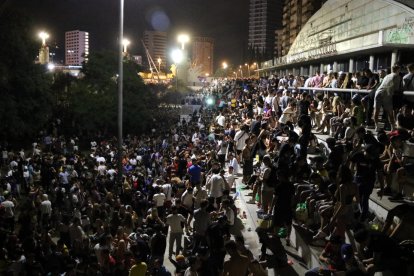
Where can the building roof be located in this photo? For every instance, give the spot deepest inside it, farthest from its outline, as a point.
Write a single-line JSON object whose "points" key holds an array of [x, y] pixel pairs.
{"points": [[344, 27]]}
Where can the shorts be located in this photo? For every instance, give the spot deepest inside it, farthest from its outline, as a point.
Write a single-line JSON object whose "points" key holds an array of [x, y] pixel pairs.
{"points": [[384, 101]]}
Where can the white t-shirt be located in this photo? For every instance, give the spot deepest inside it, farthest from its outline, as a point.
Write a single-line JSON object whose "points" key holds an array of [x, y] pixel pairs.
{"points": [[101, 169], [174, 221], [187, 199], [8, 208], [240, 139], [46, 207], [167, 189], [215, 186], [159, 199], [221, 120]]}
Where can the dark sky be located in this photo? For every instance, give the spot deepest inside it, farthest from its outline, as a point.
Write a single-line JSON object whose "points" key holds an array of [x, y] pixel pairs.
{"points": [[224, 20]]}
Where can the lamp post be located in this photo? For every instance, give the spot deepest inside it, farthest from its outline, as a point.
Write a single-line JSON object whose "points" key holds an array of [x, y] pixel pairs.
{"points": [[159, 60], [183, 39], [241, 71], [125, 44], [225, 66], [120, 94], [257, 68], [248, 69], [177, 56], [235, 73], [44, 50]]}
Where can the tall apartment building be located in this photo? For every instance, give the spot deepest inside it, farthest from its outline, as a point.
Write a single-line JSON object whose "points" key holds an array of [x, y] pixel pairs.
{"points": [[203, 54], [278, 43], [265, 16], [295, 15], [76, 47], [156, 43]]}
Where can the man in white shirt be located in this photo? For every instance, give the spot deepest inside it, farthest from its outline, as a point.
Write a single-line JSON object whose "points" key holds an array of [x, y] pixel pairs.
{"points": [[215, 186], [240, 139], [8, 205], [221, 120], [384, 96], [175, 221], [159, 200], [230, 178], [101, 168], [45, 210]]}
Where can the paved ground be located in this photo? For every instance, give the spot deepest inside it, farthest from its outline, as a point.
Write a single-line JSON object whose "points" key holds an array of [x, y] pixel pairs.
{"points": [[250, 236]]}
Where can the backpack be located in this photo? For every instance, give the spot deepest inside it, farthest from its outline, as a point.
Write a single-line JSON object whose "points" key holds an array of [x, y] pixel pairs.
{"points": [[272, 180]]}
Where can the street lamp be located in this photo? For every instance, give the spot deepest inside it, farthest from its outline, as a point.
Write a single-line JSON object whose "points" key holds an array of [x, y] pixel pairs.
{"points": [[248, 68], [177, 56], [44, 49], [235, 74], [159, 60], [241, 71], [125, 44], [225, 65], [120, 95], [43, 36], [183, 39]]}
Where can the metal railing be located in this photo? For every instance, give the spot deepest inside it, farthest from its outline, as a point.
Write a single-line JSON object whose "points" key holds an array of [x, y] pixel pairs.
{"points": [[343, 90]]}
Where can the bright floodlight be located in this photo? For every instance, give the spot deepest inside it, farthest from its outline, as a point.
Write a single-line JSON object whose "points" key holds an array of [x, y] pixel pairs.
{"points": [[210, 101], [225, 65], [43, 36], [177, 56], [183, 39], [125, 43], [50, 66], [207, 74]]}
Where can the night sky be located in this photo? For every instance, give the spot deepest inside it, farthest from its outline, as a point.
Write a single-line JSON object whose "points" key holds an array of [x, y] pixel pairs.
{"points": [[224, 20]]}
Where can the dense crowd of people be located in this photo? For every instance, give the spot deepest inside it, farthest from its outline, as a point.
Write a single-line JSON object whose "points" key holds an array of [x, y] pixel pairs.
{"points": [[64, 210]]}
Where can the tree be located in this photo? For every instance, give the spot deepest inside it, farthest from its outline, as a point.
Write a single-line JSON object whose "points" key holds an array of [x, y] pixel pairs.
{"points": [[25, 95], [93, 99]]}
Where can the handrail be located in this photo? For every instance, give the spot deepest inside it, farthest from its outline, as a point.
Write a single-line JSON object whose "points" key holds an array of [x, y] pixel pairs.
{"points": [[343, 90]]}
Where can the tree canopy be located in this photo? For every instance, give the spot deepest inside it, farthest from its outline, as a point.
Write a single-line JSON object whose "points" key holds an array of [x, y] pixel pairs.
{"points": [[25, 95]]}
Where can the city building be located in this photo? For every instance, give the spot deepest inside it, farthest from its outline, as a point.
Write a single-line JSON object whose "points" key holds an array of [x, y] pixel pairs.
{"points": [[278, 43], [203, 54], [156, 43], [350, 36], [76, 47], [265, 16], [295, 15]]}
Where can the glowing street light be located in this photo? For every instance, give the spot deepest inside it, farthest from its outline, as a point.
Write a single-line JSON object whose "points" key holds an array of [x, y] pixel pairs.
{"points": [[50, 66], [125, 44], [159, 60], [43, 36], [207, 75], [235, 73], [177, 56], [225, 65], [183, 39], [248, 68]]}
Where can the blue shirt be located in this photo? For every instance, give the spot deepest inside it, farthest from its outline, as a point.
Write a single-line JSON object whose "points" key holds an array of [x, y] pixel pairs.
{"points": [[195, 173]]}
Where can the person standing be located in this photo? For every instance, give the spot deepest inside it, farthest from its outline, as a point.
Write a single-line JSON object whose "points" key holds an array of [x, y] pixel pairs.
{"points": [[9, 204], [176, 222], [201, 222], [368, 167], [384, 96], [195, 172], [215, 186]]}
